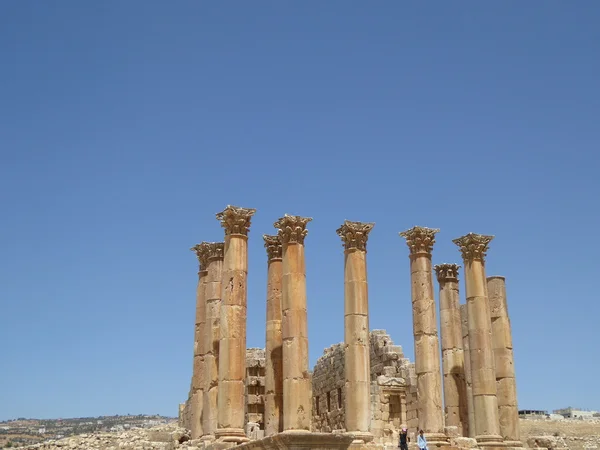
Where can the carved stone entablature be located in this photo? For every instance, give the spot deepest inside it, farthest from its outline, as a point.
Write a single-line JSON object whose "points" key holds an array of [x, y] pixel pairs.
{"points": [[273, 246], [355, 234], [391, 382], [446, 272], [236, 220], [292, 229], [202, 255], [420, 240], [473, 246]]}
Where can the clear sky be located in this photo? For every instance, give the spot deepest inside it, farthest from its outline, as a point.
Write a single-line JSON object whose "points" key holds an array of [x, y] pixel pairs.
{"points": [[125, 126]]}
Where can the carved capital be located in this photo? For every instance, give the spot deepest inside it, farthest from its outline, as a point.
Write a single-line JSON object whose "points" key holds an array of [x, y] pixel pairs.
{"points": [[202, 255], [292, 229], [236, 220], [273, 246], [473, 246], [446, 272], [355, 234], [420, 240], [207, 252]]}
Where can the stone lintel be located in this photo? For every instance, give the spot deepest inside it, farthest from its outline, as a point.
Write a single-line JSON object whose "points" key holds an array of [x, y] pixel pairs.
{"points": [[446, 272], [473, 247], [355, 234], [420, 240], [292, 229], [236, 220], [273, 246]]}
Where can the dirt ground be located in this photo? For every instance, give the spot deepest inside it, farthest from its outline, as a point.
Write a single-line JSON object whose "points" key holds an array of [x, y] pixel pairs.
{"points": [[577, 434]]}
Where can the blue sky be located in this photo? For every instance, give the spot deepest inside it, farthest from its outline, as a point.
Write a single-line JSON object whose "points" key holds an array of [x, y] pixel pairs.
{"points": [[125, 126]]}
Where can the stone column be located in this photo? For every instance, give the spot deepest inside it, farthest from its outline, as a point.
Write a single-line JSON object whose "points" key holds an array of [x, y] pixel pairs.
{"points": [[453, 360], [487, 428], [212, 292], [357, 364], [504, 362], [232, 342], [297, 389], [465, 337], [420, 241], [199, 370], [273, 417]]}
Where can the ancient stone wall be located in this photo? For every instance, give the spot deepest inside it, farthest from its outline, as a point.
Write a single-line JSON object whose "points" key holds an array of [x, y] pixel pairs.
{"points": [[391, 394], [255, 393]]}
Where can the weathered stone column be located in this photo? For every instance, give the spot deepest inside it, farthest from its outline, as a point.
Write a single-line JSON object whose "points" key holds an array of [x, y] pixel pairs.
{"points": [[212, 292], [487, 428], [357, 362], [199, 370], [453, 360], [232, 343], [505, 367], [465, 337], [297, 389], [420, 241], [273, 417]]}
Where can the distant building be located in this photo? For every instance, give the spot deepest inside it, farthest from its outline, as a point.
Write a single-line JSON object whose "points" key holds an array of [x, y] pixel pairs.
{"points": [[533, 413], [42, 430], [573, 413]]}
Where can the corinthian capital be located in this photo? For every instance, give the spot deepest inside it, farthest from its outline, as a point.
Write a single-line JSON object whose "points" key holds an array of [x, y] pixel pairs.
{"points": [[446, 272], [273, 246], [215, 250], [201, 254], [236, 220], [420, 240], [292, 229], [473, 246], [355, 234]]}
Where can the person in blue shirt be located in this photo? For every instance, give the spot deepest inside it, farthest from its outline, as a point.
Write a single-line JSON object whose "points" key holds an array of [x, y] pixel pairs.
{"points": [[421, 441]]}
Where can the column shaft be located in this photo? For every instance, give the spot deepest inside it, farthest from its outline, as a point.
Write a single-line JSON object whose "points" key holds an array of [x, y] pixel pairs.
{"points": [[485, 402], [273, 416], [469, 387], [427, 351], [453, 361], [211, 339], [195, 403], [504, 362], [357, 364], [297, 389], [232, 342]]}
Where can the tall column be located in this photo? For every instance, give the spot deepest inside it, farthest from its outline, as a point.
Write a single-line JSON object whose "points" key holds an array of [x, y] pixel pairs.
{"points": [[199, 370], [487, 428], [453, 359], [297, 389], [273, 417], [357, 364], [212, 292], [420, 241], [232, 343], [504, 362], [464, 319]]}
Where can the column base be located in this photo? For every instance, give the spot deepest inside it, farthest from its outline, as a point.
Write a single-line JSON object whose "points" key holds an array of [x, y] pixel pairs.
{"points": [[490, 440], [359, 437], [235, 435], [437, 439]]}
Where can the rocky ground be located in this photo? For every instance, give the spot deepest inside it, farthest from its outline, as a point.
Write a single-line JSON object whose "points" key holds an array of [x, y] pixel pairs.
{"points": [[554, 434], [574, 434], [164, 437]]}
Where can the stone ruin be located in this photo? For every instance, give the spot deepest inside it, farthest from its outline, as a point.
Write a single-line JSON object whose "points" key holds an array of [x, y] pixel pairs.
{"points": [[363, 391]]}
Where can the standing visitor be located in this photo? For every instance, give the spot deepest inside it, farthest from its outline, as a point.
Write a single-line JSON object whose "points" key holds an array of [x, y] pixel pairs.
{"points": [[421, 441]]}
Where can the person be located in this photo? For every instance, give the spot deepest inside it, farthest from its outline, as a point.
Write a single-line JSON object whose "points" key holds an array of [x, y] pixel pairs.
{"points": [[404, 439], [421, 441]]}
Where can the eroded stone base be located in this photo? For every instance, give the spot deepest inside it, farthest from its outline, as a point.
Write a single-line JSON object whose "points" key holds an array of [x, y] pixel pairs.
{"points": [[301, 440]]}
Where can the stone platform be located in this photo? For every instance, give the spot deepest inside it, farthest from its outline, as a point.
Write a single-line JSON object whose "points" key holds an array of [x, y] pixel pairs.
{"points": [[297, 441]]}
